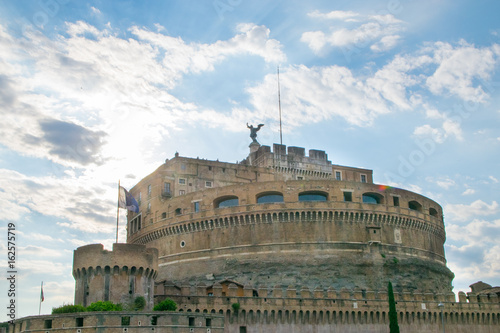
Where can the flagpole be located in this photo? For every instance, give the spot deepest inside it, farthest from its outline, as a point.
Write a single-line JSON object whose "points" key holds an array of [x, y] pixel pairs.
{"points": [[117, 211], [41, 293]]}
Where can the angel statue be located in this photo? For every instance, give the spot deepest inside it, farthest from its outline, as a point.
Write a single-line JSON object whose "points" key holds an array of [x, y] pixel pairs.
{"points": [[253, 132]]}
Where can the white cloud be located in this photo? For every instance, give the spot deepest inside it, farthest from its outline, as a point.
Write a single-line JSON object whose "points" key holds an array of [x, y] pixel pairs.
{"points": [[469, 191], [449, 128], [459, 67], [429, 131], [493, 179], [88, 206], [319, 93], [461, 212], [32, 252], [120, 83], [445, 183], [379, 32], [348, 16], [95, 11], [385, 43]]}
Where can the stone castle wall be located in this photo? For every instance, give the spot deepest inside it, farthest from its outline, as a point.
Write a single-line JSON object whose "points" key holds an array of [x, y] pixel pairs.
{"points": [[335, 242], [120, 322], [118, 276], [299, 309]]}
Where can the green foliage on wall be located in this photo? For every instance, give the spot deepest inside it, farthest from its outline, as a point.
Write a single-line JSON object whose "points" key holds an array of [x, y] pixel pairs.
{"points": [[235, 306], [166, 305], [104, 306], [68, 308], [139, 303]]}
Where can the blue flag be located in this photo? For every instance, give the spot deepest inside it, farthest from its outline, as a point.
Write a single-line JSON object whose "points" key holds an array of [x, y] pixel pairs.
{"points": [[126, 200]]}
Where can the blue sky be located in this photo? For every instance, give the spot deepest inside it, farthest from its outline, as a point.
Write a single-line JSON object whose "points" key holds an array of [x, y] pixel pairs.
{"points": [[93, 92]]}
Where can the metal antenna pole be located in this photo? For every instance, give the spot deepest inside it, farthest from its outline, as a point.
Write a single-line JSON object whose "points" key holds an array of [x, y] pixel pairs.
{"points": [[279, 105]]}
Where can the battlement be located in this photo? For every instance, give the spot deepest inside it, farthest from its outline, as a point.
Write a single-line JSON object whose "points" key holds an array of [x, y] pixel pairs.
{"points": [[120, 322], [123, 256], [292, 294], [277, 308]]}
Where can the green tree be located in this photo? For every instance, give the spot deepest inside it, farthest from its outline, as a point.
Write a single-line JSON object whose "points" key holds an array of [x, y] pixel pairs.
{"points": [[235, 306], [166, 305], [68, 308], [393, 315], [104, 306]]}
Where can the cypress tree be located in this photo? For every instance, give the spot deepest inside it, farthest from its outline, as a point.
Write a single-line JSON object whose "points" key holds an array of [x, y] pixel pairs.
{"points": [[393, 315]]}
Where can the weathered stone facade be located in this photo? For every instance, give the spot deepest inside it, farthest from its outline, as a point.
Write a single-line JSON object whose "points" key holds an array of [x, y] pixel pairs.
{"points": [[300, 309], [119, 276], [288, 219], [121, 322]]}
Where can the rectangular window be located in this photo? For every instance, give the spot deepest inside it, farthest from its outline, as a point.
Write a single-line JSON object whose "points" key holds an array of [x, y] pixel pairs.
{"points": [[149, 190], [300, 178], [125, 321], [209, 168], [182, 192], [183, 166], [243, 329], [208, 322], [79, 322], [154, 320], [191, 321], [182, 181], [47, 323], [208, 184], [196, 206], [140, 198], [396, 201], [166, 187], [338, 175], [363, 178], [347, 196]]}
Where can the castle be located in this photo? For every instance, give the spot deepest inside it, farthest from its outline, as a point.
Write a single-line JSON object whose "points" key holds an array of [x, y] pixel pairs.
{"points": [[280, 242]]}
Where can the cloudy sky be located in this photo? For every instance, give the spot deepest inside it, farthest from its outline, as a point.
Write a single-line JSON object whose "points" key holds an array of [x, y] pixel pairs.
{"points": [[100, 91]]}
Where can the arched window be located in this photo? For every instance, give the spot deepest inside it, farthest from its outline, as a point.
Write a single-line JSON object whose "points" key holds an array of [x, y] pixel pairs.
{"points": [[415, 205], [373, 198], [433, 212], [269, 197], [226, 201], [313, 196]]}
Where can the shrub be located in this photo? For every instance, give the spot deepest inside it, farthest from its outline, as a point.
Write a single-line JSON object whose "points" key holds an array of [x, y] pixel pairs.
{"points": [[139, 303], [166, 305], [235, 306], [104, 306], [68, 308]]}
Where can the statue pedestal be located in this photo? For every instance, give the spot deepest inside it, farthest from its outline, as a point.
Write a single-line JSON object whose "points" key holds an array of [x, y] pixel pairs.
{"points": [[254, 146]]}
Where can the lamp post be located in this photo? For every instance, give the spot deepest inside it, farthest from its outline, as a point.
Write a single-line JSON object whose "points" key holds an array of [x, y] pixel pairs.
{"points": [[441, 306]]}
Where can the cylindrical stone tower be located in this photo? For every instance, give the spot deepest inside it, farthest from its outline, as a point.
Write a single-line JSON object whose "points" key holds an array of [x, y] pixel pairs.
{"points": [[119, 276]]}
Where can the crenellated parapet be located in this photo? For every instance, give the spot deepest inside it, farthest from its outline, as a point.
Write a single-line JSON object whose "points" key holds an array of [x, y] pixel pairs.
{"points": [[272, 305], [120, 275], [231, 289]]}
